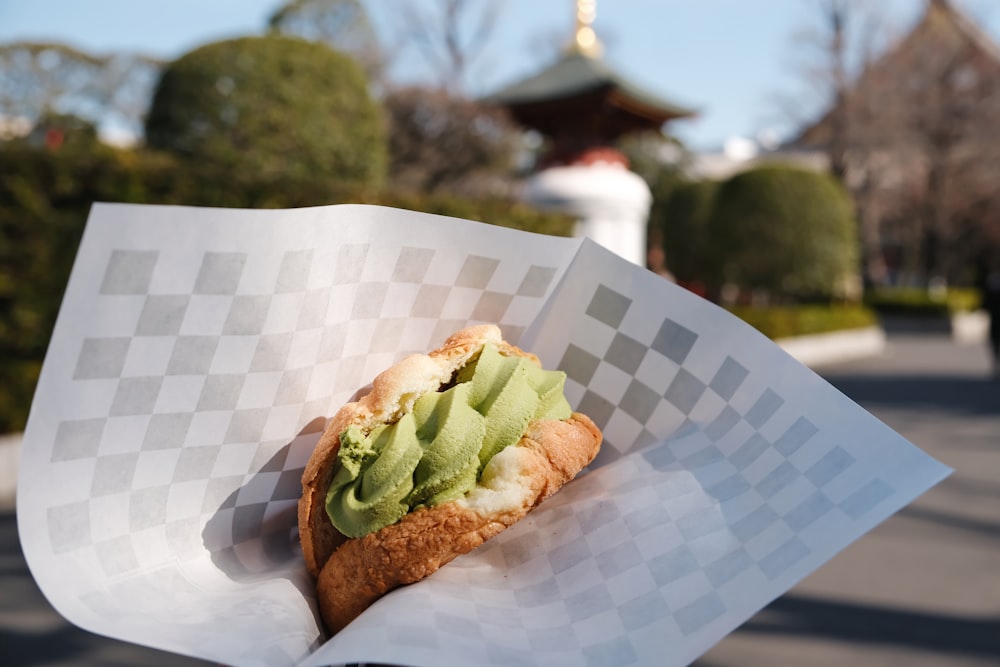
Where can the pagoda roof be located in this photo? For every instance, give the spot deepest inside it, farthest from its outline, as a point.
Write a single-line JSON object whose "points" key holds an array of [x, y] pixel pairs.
{"points": [[582, 81]]}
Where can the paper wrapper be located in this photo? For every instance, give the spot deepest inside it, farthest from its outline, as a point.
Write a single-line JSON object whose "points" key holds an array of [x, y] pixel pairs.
{"points": [[198, 353]]}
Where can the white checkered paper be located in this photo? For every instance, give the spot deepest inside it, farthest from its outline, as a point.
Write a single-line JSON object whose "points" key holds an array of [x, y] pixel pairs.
{"points": [[199, 352]]}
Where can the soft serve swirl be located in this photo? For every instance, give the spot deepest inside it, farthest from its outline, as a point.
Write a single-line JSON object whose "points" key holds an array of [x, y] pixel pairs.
{"points": [[437, 452]]}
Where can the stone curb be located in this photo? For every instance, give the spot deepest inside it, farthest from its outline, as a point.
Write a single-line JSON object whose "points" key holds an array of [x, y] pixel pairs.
{"points": [[830, 348], [970, 328]]}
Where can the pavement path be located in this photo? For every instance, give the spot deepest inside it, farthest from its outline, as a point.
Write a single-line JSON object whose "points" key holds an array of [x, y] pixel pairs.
{"points": [[32, 634], [921, 589]]}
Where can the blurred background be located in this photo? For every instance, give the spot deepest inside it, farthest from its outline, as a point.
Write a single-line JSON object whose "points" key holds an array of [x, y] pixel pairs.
{"points": [[818, 167]]}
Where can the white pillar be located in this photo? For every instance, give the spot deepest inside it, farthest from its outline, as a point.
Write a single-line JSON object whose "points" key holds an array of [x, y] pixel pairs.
{"points": [[610, 203]]}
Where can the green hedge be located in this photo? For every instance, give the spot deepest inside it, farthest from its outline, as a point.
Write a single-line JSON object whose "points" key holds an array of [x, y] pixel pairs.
{"points": [[45, 198], [790, 321], [683, 219], [786, 230], [920, 302], [280, 107], [782, 232], [495, 211]]}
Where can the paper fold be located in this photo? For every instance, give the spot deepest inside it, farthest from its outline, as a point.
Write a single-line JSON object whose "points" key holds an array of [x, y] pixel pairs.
{"points": [[199, 351]]}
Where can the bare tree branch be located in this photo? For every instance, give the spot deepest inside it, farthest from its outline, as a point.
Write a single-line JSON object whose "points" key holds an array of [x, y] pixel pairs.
{"points": [[452, 37], [42, 78], [910, 132], [341, 24]]}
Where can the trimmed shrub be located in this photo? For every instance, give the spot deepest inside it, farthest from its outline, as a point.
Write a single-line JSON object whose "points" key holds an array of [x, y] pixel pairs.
{"points": [[919, 302], [683, 220], [276, 108], [56, 130], [494, 211], [778, 322], [45, 197], [787, 232]]}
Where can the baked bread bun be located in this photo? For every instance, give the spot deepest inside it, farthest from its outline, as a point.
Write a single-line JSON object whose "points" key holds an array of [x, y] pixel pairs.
{"points": [[444, 519]]}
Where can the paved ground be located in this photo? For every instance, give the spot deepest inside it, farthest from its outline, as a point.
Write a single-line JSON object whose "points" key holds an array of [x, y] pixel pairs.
{"points": [[33, 635], [922, 589]]}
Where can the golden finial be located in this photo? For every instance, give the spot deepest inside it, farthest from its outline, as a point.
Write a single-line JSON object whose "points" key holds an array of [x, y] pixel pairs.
{"points": [[586, 39]]}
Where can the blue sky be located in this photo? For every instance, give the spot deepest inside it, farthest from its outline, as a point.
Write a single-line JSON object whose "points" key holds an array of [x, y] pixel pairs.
{"points": [[730, 59]]}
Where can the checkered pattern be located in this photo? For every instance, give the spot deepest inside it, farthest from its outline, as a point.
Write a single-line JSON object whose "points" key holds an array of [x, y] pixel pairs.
{"points": [[618, 568], [204, 378], [206, 396], [202, 374], [714, 480], [719, 474]]}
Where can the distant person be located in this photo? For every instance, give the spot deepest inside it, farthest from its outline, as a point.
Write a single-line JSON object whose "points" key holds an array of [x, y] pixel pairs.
{"points": [[991, 304]]}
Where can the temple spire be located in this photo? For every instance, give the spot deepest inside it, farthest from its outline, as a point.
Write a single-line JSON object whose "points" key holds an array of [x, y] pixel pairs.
{"points": [[585, 39]]}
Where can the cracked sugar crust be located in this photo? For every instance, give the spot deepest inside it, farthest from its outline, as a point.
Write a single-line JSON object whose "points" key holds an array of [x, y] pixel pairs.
{"points": [[353, 573], [392, 394], [516, 481]]}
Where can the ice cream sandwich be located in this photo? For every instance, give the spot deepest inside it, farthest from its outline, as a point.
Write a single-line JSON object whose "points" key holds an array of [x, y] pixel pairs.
{"points": [[446, 450]]}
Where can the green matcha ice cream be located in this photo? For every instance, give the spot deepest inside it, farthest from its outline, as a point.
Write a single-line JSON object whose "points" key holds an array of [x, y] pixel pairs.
{"points": [[437, 452]]}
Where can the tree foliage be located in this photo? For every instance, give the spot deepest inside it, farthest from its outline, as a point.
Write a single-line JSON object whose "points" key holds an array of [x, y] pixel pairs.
{"points": [[657, 157], [681, 219], [39, 78], [56, 131], [275, 106], [452, 36], [660, 160], [910, 129], [44, 199], [343, 25], [439, 141], [45, 196], [125, 86], [785, 231]]}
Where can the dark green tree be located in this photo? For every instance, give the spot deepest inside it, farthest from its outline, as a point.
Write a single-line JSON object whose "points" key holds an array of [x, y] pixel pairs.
{"points": [[681, 220], [661, 161], [785, 232], [278, 108], [58, 131], [45, 196]]}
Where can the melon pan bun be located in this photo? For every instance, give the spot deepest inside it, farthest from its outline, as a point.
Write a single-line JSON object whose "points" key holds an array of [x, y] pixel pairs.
{"points": [[352, 573]]}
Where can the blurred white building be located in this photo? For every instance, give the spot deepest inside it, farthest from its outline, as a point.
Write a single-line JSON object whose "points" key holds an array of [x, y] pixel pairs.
{"points": [[741, 153]]}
